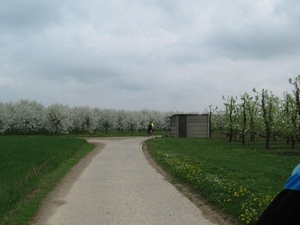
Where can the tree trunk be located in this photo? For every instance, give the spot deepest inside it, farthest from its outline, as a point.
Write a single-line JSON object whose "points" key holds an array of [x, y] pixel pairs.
{"points": [[268, 138], [267, 144], [293, 143]]}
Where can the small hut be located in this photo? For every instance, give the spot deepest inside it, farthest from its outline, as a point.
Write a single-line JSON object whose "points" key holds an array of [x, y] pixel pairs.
{"points": [[190, 125]]}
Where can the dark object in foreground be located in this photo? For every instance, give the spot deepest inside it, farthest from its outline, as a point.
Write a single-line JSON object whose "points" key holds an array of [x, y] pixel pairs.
{"points": [[285, 208]]}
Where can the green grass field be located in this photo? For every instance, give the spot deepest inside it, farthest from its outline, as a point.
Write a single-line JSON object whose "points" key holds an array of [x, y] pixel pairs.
{"points": [[238, 180], [30, 167]]}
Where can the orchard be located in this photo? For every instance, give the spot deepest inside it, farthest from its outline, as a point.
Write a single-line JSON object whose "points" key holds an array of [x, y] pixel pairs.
{"points": [[246, 118], [28, 117], [262, 115]]}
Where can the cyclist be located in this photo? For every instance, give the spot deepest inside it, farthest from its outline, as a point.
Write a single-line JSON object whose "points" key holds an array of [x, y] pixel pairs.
{"points": [[150, 129]]}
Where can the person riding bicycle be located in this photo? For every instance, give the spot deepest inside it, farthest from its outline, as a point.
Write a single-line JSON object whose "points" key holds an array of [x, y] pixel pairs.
{"points": [[150, 129]]}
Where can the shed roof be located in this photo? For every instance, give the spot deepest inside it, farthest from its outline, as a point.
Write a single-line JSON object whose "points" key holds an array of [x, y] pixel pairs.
{"points": [[189, 114]]}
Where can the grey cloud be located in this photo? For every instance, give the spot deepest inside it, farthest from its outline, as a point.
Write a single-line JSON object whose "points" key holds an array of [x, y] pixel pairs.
{"points": [[56, 60], [154, 54], [254, 43], [23, 17], [289, 10], [255, 35]]}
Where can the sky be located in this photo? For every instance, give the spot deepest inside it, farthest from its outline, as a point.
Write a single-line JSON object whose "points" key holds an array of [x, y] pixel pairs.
{"points": [[169, 55]]}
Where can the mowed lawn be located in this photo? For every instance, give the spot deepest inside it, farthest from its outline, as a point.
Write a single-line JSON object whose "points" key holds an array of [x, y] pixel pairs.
{"points": [[30, 166], [239, 180]]}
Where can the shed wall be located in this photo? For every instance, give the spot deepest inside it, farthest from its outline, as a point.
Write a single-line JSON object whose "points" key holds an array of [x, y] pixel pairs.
{"points": [[173, 126], [195, 126]]}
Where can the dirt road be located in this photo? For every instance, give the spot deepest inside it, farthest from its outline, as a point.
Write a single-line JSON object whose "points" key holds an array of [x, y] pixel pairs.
{"points": [[115, 184]]}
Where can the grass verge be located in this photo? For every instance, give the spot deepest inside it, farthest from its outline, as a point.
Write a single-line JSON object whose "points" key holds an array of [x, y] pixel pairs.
{"points": [[30, 168], [238, 180]]}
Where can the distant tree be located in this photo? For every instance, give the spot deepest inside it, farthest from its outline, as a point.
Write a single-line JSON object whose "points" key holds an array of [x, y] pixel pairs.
{"points": [[84, 119], [161, 120], [296, 92], [144, 118], [268, 109], [4, 118], [106, 119], [58, 119], [230, 116], [244, 118], [289, 122], [29, 116], [121, 123], [10, 113], [210, 111], [132, 119], [247, 111], [165, 120]]}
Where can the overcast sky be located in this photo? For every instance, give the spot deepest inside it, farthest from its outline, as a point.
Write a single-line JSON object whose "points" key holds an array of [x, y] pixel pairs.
{"points": [[148, 54]]}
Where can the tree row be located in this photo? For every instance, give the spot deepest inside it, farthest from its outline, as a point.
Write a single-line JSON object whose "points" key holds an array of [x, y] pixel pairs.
{"points": [[263, 115], [30, 117]]}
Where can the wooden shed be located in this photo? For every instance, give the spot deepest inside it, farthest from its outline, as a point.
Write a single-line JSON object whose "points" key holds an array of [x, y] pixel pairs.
{"points": [[190, 125]]}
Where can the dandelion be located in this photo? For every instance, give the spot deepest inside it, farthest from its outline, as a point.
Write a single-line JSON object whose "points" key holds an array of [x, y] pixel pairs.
{"points": [[226, 190]]}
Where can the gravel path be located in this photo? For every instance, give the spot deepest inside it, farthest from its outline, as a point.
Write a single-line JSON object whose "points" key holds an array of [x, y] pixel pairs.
{"points": [[115, 184]]}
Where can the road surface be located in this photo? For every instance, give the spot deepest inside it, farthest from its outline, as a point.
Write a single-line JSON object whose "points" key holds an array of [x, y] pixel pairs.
{"points": [[116, 185]]}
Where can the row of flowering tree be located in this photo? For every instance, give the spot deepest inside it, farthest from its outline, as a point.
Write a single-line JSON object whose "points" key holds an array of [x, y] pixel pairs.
{"points": [[262, 115], [29, 117]]}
